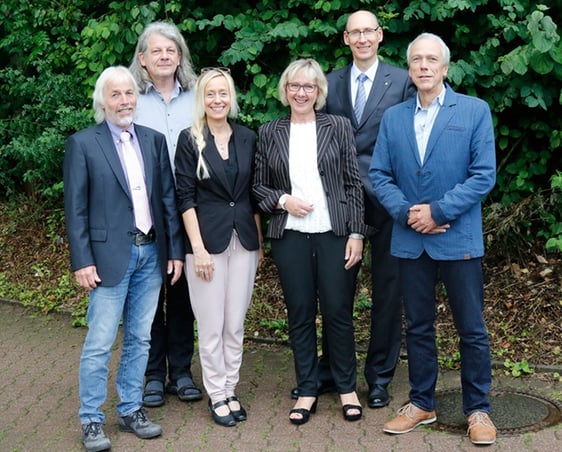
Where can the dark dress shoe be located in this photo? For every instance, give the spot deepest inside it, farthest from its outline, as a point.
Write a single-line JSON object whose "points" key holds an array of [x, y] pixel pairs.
{"points": [[324, 387], [227, 420], [295, 393], [378, 396], [238, 415]]}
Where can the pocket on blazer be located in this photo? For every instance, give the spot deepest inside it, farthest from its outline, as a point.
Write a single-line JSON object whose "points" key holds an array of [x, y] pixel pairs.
{"points": [[98, 235]]}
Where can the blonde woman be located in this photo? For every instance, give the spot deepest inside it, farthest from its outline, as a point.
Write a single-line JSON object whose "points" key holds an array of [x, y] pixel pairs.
{"points": [[214, 163]]}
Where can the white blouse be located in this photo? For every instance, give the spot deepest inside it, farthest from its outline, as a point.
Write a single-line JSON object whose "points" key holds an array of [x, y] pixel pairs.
{"points": [[305, 180]]}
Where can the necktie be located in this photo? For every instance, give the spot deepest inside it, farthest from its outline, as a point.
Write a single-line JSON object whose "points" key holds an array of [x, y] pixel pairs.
{"points": [[137, 185], [361, 97]]}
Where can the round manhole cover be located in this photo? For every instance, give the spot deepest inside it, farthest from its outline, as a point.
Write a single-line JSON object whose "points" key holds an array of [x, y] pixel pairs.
{"points": [[512, 411]]}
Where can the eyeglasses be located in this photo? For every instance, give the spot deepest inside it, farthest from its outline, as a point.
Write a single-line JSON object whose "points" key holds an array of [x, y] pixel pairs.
{"points": [[295, 87], [368, 33], [211, 68]]}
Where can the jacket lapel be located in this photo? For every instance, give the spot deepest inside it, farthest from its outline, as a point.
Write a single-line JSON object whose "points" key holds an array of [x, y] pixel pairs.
{"points": [[281, 139], [380, 85], [324, 133], [107, 148], [244, 158], [444, 116], [144, 146], [409, 132], [343, 89]]}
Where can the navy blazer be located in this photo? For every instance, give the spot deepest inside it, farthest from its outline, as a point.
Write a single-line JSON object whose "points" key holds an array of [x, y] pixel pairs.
{"points": [[337, 165], [220, 208], [391, 86], [99, 208], [459, 169]]}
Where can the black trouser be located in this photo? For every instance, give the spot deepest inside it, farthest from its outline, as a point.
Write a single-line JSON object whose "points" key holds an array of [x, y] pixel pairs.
{"points": [[311, 271], [386, 311], [172, 334]]}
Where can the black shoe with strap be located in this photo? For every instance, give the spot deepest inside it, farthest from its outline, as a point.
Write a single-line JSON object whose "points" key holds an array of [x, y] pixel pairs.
{"points": [[239, 414], [324, 387], [226, 420]]}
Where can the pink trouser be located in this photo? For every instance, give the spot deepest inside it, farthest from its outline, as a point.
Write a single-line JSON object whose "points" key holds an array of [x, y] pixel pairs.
{"points": [[220, 307]]}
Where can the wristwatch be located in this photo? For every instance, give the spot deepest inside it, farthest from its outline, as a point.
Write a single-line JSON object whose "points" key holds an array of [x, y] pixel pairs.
{"points": [[283, 200]]}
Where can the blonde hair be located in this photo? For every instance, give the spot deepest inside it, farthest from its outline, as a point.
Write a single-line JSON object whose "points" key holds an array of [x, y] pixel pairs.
{"points": [[199, 128], [311, 69]]}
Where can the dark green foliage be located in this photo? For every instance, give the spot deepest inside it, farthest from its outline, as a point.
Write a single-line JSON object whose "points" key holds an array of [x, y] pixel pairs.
{"points": [[508, 52]]}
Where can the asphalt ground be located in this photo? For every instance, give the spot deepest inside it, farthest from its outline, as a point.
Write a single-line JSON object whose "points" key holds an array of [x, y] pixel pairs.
{"points": [[39, 358]]}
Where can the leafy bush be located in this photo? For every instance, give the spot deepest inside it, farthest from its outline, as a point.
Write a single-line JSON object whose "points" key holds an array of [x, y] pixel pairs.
{"points": [[508, 53]]}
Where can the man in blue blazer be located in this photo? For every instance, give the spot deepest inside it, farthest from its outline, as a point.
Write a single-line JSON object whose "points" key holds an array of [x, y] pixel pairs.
{"points": [[433, 163], [385, 85], [121, 249]]}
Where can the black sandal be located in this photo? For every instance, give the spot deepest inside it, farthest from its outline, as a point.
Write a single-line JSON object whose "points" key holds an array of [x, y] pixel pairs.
{"points": [[187, 392], [304, 413], [153, 395], [352, 417]]}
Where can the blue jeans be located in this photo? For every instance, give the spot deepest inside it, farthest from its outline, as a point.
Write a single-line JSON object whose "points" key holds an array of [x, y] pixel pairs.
{"points": [[134, 299], [465, 292]]}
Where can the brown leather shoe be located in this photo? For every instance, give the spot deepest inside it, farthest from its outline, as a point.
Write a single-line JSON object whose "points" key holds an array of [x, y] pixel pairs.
{"points": [[481, 429], [409, 417]]}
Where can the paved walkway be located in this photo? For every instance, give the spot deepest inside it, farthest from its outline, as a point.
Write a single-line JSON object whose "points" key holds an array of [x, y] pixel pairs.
{"points": [[39, 401]]}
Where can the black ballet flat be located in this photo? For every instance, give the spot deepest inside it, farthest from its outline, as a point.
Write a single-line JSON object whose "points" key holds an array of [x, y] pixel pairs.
{"points": [[226, 420], [238, 415], [352, 417], [304, 413]]}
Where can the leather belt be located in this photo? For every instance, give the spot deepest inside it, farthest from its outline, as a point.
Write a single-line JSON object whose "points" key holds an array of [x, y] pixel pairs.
{"points": [[140, 238]]}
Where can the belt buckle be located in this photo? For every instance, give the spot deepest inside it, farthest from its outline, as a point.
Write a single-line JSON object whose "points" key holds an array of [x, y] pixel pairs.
{"points": [[141, 238]]}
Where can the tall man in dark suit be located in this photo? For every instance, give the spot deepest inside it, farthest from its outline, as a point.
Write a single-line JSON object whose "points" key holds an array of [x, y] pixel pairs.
{"points": [[124, 238], [382, 86]]}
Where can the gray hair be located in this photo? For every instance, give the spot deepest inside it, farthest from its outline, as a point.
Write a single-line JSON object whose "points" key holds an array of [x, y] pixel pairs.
{"points": [[110, 73], [312, 69], [184, 73], [444, 48]]}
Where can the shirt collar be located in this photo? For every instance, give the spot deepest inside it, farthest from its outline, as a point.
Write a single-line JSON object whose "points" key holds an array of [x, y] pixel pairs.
{"points": [[177, 88], [370, 73], [116, 131], [438, 100]]}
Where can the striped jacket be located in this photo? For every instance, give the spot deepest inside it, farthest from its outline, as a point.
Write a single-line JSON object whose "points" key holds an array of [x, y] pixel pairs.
{"points": [[337, 166]]}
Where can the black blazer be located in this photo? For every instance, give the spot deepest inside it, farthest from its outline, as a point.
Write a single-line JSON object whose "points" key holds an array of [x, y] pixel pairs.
{"points": [[337, 165], [391, 86], [220, 209], [99, 209]]}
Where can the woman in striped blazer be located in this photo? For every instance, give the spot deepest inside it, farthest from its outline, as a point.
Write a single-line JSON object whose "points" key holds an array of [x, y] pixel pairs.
{"points": [[307, 178]]}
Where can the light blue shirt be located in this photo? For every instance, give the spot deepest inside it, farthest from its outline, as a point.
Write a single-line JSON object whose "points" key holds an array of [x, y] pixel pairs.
{"points": [[424, 118], [367, 84], [167, 118]]}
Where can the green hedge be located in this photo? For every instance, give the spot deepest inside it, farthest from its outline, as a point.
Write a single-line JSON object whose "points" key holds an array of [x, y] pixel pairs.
{"points": [[508, 52]]}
